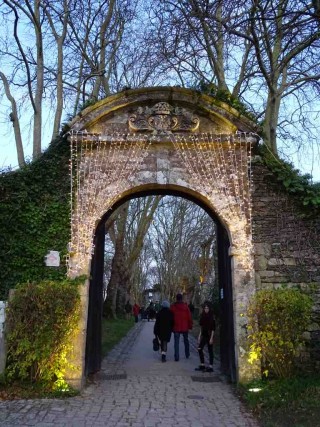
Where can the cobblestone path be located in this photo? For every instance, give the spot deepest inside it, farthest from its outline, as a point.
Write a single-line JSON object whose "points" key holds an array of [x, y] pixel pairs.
{"points": [[135, 389]]}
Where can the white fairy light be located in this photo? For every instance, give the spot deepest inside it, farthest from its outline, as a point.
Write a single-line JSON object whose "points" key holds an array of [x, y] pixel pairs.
{"points": [[101, 167], [221, 165]]}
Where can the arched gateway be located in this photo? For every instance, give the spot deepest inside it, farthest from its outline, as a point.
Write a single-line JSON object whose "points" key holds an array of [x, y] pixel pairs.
{"points": [[171, 141]]}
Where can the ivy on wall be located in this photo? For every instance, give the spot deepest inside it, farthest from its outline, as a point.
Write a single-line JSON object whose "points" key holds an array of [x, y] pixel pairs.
{"points": [[219, 95], [294, 183], [35, 218]]}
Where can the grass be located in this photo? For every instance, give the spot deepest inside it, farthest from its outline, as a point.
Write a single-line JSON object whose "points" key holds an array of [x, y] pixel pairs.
{"points": [[293, 402], [113, 331]]}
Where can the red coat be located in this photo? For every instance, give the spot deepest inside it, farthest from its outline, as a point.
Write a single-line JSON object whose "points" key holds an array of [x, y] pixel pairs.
{"points": [[182, 317], [136, 310]]}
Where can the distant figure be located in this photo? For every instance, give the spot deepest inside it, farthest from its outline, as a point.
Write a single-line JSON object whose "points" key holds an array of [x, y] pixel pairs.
{"points": [[208, 327], [128, 309], [143, 313], [151, 311], [182, 323], [157, 306], [191, 308], [163, 328], [136, 311]]}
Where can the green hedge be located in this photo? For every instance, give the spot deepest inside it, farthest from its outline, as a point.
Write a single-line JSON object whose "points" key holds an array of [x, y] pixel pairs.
{"points": [[277, 320], [42, 318], [35, 218]]}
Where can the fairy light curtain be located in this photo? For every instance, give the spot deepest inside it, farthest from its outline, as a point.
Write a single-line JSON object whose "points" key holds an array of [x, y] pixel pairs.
{"points": [[221, 166], [101, 166]]}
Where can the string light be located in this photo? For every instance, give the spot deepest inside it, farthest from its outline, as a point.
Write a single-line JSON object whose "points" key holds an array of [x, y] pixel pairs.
{"points": [[102, 166], [100, 173], [220, 166]]}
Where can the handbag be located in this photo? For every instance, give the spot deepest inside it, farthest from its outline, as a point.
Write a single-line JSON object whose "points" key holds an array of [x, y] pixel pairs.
{"points": [[155, 343]]}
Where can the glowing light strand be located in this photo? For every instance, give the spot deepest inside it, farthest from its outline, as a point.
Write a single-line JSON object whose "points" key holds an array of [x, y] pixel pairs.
{"points": [[101, 172], [101, 167]]}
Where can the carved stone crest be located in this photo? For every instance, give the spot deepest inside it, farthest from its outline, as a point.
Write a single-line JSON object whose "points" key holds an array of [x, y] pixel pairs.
{"points": [[163, 118]]}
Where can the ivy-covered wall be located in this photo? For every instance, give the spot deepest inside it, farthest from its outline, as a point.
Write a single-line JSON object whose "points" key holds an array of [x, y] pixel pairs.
{"points": [[286, 235], [35, 218]]}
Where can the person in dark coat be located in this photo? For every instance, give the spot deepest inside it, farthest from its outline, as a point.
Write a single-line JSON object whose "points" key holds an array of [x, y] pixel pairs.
{"points": [[128, 309], [163, 328], [151, 311], [208, 326]]}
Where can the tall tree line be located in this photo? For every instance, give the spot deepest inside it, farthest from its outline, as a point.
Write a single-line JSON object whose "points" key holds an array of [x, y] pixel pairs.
{"points": [[167, 244], [126, 229]]}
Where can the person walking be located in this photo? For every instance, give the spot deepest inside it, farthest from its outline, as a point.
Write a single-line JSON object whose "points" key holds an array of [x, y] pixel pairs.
{"points": [[128, 309], [182, 323], [151, 311], [206, 336], [163, 328], [157, 306], [191, 308], [136, 311]]}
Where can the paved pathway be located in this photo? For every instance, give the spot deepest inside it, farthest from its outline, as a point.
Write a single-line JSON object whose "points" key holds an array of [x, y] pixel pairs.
{"points": [[135, 389]]}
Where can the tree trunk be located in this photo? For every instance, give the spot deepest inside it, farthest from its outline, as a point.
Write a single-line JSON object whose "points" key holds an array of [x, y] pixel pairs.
{"points": [[37, 120], [117, 266], [15, 121], [271, 121], [59, 76], [103, 45]]}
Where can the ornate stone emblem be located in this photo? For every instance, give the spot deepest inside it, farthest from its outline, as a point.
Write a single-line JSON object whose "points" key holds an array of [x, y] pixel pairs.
{"points": [[163, 118]]}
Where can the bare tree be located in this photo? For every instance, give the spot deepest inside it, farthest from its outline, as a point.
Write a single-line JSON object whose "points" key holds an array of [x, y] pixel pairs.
{"points": [[179, 233], [56, 55], [31, 61], [59, 55], [127, 235], [285, 35], [263, 53]]}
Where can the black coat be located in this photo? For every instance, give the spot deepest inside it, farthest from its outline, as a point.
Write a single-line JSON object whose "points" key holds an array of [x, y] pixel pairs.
{"points": [[164, 324]]}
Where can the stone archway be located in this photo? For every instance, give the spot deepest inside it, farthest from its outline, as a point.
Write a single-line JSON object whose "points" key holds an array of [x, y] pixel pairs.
{"points": [[173, 138], [226, 341]]}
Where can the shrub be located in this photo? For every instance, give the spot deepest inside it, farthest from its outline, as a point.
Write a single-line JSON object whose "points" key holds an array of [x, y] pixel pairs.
{"points": [[41, 319], [277, 320]]}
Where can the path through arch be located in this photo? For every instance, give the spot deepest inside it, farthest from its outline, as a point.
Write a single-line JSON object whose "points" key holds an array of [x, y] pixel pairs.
{"points": [[93, 340]]}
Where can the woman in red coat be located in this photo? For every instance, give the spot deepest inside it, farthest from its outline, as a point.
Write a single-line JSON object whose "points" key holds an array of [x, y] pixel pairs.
{"points": [[136, 311]]}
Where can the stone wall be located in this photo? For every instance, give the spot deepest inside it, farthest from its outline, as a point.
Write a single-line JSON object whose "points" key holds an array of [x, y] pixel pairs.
{"points": [[286, 245], [2, 342]]}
